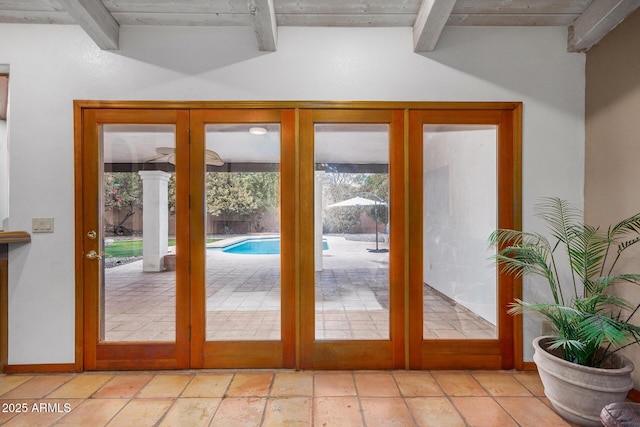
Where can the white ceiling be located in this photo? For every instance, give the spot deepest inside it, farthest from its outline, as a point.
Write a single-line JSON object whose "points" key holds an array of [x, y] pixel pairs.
{"points": [[588, 20], [333, 143]]}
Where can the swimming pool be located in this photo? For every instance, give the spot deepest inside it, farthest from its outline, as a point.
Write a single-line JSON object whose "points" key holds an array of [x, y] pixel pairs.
{"points": [[255, 247], [267, 246]]}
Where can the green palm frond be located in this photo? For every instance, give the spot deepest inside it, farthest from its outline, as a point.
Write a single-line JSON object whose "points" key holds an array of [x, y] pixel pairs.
{"points": [[564, 223], [627, 225], [624, 245], [597, 302], [587, 253], [592, 319], [522, 253], [561, 217], [506, 237], [558, 314], [625, 231], [601, 329], [567, 345], [600, 284], [520, 260]]}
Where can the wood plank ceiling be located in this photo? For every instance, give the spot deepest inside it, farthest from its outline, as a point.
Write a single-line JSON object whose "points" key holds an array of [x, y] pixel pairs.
{"points": [[588, 20]]}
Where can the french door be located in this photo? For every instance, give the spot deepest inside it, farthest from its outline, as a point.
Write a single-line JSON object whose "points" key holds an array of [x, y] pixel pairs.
{"points": [[135, 314], [165, 193], [464, 175], [242, 303], [352, 282], [294, 235]]}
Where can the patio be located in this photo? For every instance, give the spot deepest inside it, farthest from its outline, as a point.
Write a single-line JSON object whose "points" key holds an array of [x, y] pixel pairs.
{"points": [[243, 299]]}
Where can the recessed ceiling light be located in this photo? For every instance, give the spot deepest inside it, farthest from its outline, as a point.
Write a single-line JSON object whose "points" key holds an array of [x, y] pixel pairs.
{"points": [[257, 131]]}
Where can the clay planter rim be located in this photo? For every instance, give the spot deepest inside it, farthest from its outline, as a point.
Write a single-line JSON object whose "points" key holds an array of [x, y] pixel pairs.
{"points": [[627, 365]]}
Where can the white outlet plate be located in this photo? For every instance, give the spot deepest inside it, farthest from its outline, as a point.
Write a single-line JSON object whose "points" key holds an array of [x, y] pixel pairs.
{"points": [[42, 225]]}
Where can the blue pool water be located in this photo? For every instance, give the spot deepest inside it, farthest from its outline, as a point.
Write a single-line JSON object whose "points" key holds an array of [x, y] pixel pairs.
{"points": [[255, 247], [258, 247]]}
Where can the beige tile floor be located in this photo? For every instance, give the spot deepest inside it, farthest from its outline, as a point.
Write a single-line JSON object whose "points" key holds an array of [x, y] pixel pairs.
{"points": [[231, 398]]}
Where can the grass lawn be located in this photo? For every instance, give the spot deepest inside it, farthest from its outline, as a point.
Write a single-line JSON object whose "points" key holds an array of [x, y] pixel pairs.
{"points": [[130, 248]]}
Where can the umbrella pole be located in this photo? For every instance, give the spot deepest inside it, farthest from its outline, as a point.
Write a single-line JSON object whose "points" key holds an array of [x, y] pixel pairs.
{"points": [[375, 213]]}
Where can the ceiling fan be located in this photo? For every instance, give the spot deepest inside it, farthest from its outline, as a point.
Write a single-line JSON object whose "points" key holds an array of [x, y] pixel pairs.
{"points": [[212, 158]]}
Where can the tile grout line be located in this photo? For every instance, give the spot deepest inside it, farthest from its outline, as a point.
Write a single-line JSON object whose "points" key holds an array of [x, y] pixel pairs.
{"points": [[175, 400], [404, 399], [313, 396], [268, 398], [360, 409], [449, 397], [224, 396], [499, 404], [495, 400], [129, 399]]}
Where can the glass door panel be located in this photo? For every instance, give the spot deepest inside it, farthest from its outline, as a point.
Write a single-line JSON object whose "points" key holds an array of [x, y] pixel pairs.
{"points": [[242, 187], [138, 293], [463, 184], [459, 205], [242, 238], [352, 238], [133, 231]]}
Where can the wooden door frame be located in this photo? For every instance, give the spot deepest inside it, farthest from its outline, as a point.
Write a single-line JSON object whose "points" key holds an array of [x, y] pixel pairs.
{"points": [[258, 353], [117, 355], [352, 354], [412, 355], [505, 352]]}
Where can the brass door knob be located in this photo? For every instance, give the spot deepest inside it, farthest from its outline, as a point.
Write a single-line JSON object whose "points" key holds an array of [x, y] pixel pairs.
{"points": [[93, 255]]}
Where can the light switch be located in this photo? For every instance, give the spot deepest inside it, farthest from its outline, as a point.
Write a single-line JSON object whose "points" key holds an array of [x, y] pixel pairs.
{"points": [[42, 225]]}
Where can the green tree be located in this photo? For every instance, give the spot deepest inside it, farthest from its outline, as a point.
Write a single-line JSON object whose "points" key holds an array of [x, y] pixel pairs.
{"points": [[339, 186], [246, 194], [378, 184], [229, 193], [122, 192], [171, 188], [264, 186]]}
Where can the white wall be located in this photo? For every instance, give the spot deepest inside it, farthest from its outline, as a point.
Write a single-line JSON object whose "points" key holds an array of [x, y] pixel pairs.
{"points": [[4, 174], [53, 65], [460, 199]]}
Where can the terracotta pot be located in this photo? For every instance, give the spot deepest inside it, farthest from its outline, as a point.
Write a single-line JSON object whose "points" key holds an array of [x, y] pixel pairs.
{"points": [[578, 393]]}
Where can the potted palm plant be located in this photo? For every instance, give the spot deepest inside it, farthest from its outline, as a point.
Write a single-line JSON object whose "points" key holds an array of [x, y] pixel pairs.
{"points": [[580, 365]]}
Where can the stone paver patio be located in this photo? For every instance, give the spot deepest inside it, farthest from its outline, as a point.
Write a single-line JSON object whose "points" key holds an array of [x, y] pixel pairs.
{"points": [[243, 299]]}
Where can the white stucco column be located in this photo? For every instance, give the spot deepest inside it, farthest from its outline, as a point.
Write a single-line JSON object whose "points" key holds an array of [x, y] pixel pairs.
{"points": [[317, 197], [155, 219]]}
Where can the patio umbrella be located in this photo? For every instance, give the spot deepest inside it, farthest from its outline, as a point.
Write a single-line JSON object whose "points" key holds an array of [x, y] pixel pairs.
{"points": [[356, 201], [363, 201]]}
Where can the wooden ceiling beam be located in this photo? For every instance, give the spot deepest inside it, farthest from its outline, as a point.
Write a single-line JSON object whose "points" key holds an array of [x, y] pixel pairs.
{"points": [[96, 20], [596, 21], [263, 18], [432, 16]]}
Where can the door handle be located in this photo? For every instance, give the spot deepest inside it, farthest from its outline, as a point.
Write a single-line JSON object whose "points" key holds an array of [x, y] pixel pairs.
{"points": [[93, 255]]}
